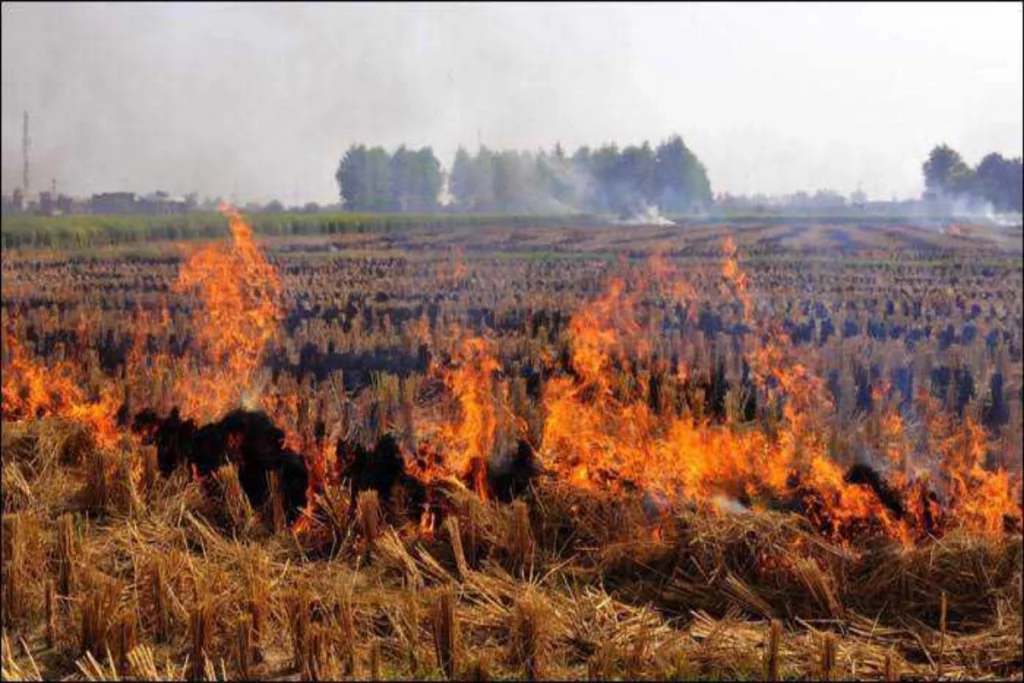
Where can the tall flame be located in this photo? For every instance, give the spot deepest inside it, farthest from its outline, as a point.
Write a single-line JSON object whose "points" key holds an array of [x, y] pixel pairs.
{"points": [[240, 294], [470, 440]]}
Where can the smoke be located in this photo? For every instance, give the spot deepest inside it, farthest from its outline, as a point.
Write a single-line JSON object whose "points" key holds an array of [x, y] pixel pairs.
{"points": [[648, 215], [1005, 220], [970, 216], [976, 208], [729, 505], [961, 206], [259, 102]]}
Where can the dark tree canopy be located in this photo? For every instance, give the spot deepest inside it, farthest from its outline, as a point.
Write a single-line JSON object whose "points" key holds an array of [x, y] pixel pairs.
{"points": [[680, 179], [995, 179], [1000, 182], [373, 180], [606, 179], [946, 173]]}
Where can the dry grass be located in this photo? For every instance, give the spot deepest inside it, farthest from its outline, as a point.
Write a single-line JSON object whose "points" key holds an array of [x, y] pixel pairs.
{"points": [[368, 508], [528, 634], [563, 586], [236, 512], [445, 631]]}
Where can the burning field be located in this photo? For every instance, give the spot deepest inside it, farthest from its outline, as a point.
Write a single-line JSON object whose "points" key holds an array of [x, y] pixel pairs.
{"points": [[532, 455]]}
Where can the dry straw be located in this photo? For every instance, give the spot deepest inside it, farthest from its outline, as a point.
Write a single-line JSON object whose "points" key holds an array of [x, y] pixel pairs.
{"points": [[200, 633], [771, 655], [51, 616], [159, 601], [368, 510], [275, 503], [455, 538], [345, 634], [890, 669], [520, 543], [14, 577], [477, 670], [236, 507], [257, 604], [375, 660], [243, 647], [67, 549], [298, 621], [529, 634], [445, 631], [828, 657], [98, 605], [943, 605], [126, 640], [967, 588]]}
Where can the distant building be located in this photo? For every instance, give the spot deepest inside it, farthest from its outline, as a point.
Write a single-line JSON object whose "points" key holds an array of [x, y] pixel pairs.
{"points": [[113, 202], [47, 204], [65, 205], [160, 203]]}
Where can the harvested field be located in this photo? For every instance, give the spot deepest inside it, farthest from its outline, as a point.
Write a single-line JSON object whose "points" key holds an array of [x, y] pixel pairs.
{"points": [[517, 453]]}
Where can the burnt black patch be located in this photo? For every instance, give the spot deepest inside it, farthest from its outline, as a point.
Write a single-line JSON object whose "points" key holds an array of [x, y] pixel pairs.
{"points": [[512, 478], [377, 469], [247, 439], [172, 436], [865, 475]]}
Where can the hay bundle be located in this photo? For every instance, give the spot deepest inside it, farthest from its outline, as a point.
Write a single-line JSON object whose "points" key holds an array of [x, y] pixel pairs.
{"points": [[445, 632], [99, 614], [529, 634]]}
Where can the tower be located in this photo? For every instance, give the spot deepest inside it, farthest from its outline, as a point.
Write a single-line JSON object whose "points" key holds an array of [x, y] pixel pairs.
{"points": [[24, 148]]}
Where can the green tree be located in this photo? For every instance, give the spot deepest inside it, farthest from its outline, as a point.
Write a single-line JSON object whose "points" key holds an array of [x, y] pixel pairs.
{"points": [[510, 180], [429, 179], [364, 179], [637, 173], [403, 172], [461, 185], [380, 183], [606, 192], [483, 180], [998, 180], [352, 176], [681, 181], [946, 173]]}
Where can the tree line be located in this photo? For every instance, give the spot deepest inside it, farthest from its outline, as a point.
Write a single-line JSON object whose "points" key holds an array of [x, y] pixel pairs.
{"points": [[370, 179], [602, 180], [996, 179]]}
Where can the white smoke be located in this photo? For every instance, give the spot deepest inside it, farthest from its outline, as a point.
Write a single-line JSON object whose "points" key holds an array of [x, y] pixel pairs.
{"points": [[970, 207], [1004, 220], [648, 215], [729, 505]]}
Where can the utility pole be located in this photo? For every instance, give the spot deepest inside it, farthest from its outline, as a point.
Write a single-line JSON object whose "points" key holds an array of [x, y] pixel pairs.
{"points": [[25, 142]]}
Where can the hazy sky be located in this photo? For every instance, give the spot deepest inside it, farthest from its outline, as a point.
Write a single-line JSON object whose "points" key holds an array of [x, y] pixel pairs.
{"points": [[261, 101]]}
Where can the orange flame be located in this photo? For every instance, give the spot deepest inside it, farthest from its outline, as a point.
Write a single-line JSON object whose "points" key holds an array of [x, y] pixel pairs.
{"points": [[597, 435], [471, 439], [31, 390], [601, 428], [240, 295]]}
